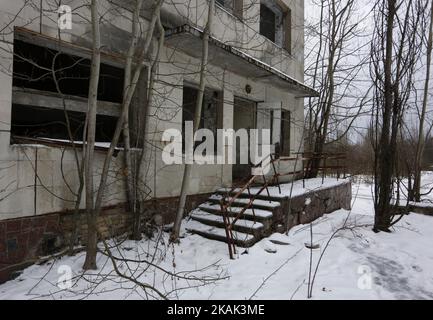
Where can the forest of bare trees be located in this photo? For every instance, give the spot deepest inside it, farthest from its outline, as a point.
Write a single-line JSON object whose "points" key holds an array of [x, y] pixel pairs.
{"points": [[377, 111]]}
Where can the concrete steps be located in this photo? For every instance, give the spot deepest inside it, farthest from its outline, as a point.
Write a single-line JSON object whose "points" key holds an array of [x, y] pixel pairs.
{"points": [[252, 226], [240, 239], [263, 196], [242, 225], [256, 215], [242, 202], [269, 214]]}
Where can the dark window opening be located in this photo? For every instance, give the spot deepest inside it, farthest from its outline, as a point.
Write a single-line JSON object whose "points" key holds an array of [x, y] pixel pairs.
{"points": [[276, 23], [37, 122], [33, 67], [272, 116], [38, 112], [267, 22], [288, 31], [285, 133], [209, 115], [233, 6]]}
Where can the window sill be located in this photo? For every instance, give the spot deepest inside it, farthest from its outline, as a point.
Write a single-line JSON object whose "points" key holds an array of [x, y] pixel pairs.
{"points": [[279, 47], [19, 141]]}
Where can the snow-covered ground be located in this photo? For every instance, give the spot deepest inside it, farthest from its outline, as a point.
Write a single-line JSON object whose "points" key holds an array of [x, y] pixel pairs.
{"points": [[357, 264]]}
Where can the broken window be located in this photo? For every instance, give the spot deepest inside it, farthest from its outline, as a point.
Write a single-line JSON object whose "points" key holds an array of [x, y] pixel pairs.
{"points": [[210, 110], [267, 22], [276, 23], [285, 133], [33, 67], [287, 27], [39, 122], [50, 89], [233, 6], [221, 2]]}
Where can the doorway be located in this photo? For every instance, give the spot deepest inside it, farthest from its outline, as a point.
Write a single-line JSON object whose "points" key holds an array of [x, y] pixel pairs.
{"points": [[245, 117]]}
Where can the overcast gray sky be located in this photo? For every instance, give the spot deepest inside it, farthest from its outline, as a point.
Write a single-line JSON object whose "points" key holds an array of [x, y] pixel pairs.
{"points": [[312, 14]]}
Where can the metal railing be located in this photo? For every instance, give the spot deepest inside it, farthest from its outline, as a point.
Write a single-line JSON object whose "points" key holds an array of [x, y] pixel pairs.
{"points": [[263, 185]]}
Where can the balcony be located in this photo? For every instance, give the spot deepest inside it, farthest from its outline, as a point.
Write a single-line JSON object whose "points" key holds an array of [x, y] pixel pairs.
{"points": [[189, 40]]}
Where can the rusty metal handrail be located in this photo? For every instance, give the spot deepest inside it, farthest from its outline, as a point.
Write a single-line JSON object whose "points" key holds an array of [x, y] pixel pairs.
{"points": [[225, 205]]}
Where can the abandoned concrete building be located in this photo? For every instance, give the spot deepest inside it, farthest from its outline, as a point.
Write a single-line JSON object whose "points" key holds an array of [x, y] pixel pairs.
{"points": [[255, 79]]}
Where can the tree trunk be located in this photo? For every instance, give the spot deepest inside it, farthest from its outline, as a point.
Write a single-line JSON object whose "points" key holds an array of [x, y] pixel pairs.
{"points": [[328, 93], [416, 193], [125, 106], [90, 262], [130, 165], [197, 116], [382, 219]]}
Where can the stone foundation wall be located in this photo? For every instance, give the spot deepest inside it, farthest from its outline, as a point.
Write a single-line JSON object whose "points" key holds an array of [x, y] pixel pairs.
{"points": [[321, 202], [111, 222], [165, 209], [23, 240], [418, 208]]}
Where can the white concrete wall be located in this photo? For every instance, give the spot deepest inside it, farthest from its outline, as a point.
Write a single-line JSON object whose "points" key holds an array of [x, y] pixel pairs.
{"points": [[54, 170], [35, 179], [245, 34]]}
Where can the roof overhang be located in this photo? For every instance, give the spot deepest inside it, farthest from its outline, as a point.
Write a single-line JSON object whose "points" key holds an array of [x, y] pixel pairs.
{"points": [[189, 40]]}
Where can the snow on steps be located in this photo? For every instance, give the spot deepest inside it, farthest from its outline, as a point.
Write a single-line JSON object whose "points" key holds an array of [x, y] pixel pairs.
{"points": [[252, 226], [262, 196], [242, 225], [250, 214], [211, 232], [261, 204]]}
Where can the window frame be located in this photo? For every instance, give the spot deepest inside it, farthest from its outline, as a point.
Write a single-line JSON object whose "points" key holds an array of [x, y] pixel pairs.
{"points": [[286, 24], [236, 8], [218, 114], [29, 97]]}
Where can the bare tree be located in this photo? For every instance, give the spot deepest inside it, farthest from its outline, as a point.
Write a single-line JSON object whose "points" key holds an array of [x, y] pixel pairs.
{"points": [[89, 146], [197, 116], [395, 51], [126, 102], [335, 71], [131, 192], [415, 193]]}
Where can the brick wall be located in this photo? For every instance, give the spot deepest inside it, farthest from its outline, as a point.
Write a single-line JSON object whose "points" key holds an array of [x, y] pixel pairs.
{"points": [[23, 240], [168, 206]]}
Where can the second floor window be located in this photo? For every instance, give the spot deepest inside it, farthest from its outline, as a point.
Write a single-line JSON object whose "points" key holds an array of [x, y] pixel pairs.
{"points": [[233, 6], [276, 23]]}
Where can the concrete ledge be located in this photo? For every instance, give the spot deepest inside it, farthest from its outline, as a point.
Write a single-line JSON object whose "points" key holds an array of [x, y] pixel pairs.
{"points": [[421, 208], [307, 207]]}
